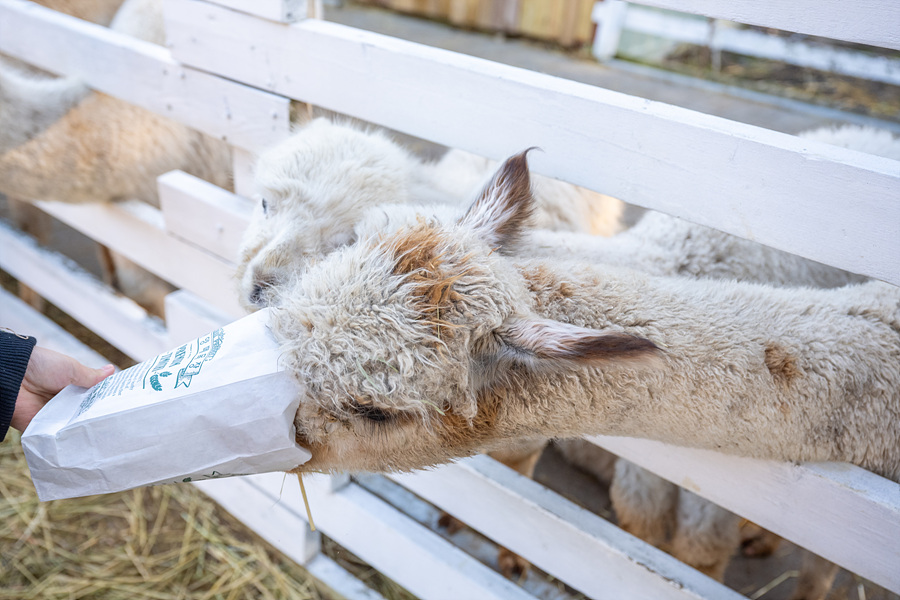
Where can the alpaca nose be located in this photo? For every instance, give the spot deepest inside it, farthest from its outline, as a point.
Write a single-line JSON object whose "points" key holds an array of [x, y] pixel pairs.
{"points": [[260, 291], [256, 295]]}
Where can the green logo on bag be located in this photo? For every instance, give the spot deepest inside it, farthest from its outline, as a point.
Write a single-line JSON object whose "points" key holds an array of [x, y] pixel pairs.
{"points": [[207, 348], [154, 380]]}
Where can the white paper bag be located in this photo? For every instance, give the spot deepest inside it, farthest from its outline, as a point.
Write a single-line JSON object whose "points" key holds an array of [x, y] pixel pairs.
{"points": [[215, 407]]}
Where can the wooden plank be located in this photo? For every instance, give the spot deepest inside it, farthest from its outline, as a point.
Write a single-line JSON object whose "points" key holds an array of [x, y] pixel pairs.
{"points": [[755, 43], [584, 27], [143, 74], [463, 12], [844, 513], [578, 547], [139, 235], [115, 318], [569, 23], [437, 8], [610, 18], [834, 60], [204, 214], [285, 11], [774, 188], [391, 542], [872, 22], [541, 19], [21, 318], [508, 15], [188, 317], [244, 166]]}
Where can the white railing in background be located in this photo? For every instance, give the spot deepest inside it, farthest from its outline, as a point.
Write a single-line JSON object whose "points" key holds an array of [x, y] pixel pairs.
{"points": [[614, 16], [741, 179], [872, 22]]}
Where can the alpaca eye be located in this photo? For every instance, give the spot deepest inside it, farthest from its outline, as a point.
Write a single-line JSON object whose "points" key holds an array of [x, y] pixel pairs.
{"points": [[265, 207]]}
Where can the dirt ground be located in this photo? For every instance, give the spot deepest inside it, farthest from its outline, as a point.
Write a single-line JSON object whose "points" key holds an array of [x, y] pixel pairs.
{"points": [[851, 94]]}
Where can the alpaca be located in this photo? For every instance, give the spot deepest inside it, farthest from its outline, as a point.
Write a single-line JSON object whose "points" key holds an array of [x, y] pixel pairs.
{"points": [[432, 342], [100, 149], [30, 104], [659, 244], [319, 185], [60, 141]]}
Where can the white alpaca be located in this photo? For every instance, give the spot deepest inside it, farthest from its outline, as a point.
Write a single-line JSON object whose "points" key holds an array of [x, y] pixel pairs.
{"points": [[60, 141], [100, 148], [659, 244], [325, 182], [504, 348]]}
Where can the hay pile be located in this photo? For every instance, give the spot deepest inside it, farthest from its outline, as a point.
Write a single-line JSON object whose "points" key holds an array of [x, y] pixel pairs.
{"points": [[163, 543]]}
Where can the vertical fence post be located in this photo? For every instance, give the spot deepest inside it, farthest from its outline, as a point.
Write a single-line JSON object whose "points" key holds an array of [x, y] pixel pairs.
{"points": [[609, 16]]}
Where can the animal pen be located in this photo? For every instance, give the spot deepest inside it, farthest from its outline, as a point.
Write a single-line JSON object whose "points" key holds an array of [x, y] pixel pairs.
{"points": [[232, 69]]}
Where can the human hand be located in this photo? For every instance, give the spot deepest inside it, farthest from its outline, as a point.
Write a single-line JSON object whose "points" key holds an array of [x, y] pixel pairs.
{"points": [[48, 372]]}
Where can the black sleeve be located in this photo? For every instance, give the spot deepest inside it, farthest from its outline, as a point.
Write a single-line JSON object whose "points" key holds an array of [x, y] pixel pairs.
{"points": [[15, 350]]}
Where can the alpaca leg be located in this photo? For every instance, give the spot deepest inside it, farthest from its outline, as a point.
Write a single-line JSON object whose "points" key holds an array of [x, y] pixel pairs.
{"points": [[816, 578], [645, 504], [706, 535]]}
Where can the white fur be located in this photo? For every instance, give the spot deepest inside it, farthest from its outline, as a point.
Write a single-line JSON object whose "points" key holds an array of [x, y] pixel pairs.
{"points": [[60, 141], [323, 185]]}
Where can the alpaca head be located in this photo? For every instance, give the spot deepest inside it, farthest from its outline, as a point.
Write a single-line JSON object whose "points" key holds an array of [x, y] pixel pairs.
{"points": [[404, 338], [315, 186]]}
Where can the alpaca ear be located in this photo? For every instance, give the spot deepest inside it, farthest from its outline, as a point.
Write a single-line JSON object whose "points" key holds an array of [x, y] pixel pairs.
{"points": [[505, 204], [544, 343]]}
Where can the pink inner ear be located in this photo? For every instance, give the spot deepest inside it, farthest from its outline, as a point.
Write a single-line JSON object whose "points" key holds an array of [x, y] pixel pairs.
{"points": [[505, 204], [545, 339]]}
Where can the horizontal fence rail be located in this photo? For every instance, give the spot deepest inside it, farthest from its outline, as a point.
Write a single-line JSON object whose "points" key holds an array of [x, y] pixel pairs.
{"points": [[115, 318], [759, 184], [381, 535], [142, 74], [871, 22], [720, 35], [862, 510], [578, 547]]}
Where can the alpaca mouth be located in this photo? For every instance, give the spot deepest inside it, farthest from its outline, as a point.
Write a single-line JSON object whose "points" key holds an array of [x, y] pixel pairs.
{"points": [[256, 297], [262, 294]]}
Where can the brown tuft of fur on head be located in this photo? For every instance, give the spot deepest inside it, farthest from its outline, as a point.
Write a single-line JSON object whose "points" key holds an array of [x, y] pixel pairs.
{"points": [[781, 364], [419, 260], [505, 205]]}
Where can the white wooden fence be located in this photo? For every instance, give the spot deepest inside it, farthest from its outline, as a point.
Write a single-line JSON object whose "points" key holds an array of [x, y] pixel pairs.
{"points": [[230, 71], [615, 16]]}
